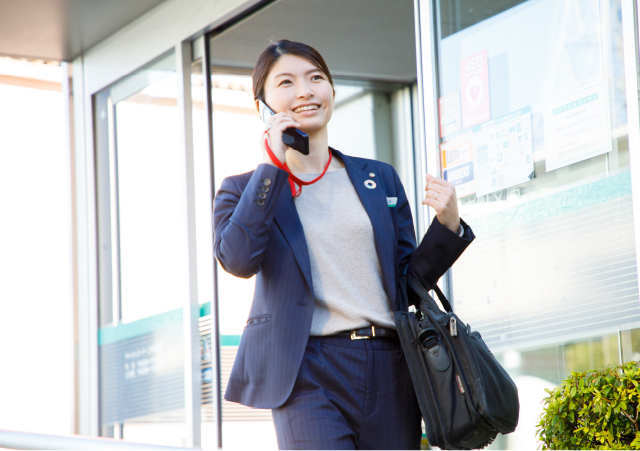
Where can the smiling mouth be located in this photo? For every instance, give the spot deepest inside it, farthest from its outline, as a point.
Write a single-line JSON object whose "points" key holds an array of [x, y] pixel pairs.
{"points": [[304, 108]]}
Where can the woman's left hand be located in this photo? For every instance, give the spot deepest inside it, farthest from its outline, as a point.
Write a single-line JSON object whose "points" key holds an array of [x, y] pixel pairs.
{"points": [[441, 195]]}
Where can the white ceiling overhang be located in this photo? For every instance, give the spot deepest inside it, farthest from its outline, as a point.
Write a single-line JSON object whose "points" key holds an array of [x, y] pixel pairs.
{"points": [[60, 30]]}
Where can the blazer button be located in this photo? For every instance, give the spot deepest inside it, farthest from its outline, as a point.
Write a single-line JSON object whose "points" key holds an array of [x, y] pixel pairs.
{"points": [[262, 196], [265, 189], [260, 203], [267, 182]]}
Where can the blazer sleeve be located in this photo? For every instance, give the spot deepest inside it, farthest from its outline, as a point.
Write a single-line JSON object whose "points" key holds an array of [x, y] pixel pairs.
{"points": [[406, 230], [437, 252], [242, 219]]}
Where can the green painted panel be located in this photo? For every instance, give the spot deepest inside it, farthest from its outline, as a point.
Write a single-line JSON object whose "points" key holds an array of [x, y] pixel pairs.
{"points": [[112, 334], [230, 340], [205, 309], [567, 201]]}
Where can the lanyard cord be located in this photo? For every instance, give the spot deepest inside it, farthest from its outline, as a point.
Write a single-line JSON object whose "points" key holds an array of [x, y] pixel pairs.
{"points": [[293, 180]]}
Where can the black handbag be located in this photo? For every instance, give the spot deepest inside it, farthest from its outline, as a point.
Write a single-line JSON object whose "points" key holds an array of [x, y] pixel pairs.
{"points": [[465, 396]]}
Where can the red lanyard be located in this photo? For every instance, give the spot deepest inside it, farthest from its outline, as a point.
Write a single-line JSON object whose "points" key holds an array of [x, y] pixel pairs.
{"points": [[293, 180]]}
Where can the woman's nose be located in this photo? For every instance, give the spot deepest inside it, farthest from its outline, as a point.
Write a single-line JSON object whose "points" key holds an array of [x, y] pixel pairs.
{"points": [[304, 92]]}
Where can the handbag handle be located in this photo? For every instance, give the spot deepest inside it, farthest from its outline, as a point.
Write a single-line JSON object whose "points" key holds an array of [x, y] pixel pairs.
{"points": [[424, 294]]}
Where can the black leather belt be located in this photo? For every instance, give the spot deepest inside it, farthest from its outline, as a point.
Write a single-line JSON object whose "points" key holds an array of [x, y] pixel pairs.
{"points": [[371, 332]]}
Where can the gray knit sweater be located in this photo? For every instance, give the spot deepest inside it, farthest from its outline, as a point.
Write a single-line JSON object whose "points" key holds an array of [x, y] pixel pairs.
{"points": [[347, 280]]}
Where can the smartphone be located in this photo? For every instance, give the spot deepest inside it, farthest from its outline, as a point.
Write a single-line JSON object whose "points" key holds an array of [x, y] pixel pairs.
{"points": [[292, 137]]}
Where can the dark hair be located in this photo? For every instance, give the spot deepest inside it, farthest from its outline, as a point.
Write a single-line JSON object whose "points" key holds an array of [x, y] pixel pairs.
{"points": [[272, 54]]}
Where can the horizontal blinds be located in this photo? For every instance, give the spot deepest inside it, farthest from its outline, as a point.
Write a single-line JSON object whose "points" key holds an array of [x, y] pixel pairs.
{"points": [[231, 411], [568, 275], [207, 411], [142, 377]]}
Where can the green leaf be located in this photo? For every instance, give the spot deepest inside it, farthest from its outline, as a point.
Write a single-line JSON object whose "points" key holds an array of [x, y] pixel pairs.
{"points": [[586, 410]]}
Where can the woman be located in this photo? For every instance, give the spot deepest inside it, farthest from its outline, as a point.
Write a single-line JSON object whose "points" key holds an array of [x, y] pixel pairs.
{"points": [[328, 236]]}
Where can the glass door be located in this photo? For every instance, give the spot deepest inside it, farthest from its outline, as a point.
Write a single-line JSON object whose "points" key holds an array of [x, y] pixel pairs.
{"points": [[143, 257], [372, 118]]}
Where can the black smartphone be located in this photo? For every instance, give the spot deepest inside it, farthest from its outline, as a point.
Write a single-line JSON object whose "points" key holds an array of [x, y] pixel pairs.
{"points": [[292, 137]]}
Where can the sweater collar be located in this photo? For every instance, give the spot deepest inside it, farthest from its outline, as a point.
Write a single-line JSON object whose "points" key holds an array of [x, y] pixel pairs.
{"points": [[359, 163]]}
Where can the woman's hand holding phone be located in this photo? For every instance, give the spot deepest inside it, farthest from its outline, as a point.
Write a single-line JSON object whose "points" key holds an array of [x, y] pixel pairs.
{"points": [[441, 195], [276, 125]]}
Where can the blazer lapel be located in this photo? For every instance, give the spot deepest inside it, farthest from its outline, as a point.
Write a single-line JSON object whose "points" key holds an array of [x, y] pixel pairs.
{"points": [[375, 203], [286, 216]]}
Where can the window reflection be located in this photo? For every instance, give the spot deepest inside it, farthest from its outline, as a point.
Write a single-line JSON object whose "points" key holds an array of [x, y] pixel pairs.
{"points": [[533, 126], [534, 138], [151, 200], [537, 369]]}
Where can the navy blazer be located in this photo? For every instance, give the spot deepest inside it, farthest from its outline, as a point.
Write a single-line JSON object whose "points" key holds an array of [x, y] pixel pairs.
{"points": [[263, 235]]}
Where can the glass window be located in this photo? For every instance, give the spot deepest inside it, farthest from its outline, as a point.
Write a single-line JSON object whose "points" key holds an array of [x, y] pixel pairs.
{"points": [[535, 369], [533, 134], [150, 194], [143, 257], [36, 250]]}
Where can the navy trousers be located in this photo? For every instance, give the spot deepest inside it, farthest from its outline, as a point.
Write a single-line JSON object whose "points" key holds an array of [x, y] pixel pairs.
{"points": [[350, 394]]}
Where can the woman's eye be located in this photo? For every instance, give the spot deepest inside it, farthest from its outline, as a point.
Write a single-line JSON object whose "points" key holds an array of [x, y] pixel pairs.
{"points": [[317, 77], [284, 81]]}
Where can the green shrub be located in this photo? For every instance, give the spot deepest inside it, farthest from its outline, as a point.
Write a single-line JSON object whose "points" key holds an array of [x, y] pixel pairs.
{"points": [[593, 410]]}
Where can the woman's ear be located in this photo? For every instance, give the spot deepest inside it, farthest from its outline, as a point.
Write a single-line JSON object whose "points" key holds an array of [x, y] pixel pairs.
{"points": [[258, 104]]}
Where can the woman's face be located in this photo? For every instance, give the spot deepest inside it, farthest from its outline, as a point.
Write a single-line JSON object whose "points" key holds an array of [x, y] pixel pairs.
{"points": [[298, 88]]}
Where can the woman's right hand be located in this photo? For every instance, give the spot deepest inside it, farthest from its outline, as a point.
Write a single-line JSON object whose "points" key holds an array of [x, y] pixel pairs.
{"points": [[276, 125]]}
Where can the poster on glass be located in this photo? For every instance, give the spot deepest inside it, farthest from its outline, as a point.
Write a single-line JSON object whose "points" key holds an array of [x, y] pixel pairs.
{"points": [[577, 126], [458, 165], [504, 152]]}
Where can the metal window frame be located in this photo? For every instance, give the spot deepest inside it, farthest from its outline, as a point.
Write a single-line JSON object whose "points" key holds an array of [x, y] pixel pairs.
{"points": [[86, 253], [201, 51], [29, 440], [632, 77], [67, 95], [428, 154], [191, 315], [215, 323]]}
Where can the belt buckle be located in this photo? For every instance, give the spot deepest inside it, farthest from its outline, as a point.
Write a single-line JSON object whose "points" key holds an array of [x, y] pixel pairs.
{"points": [[364, 337]]}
